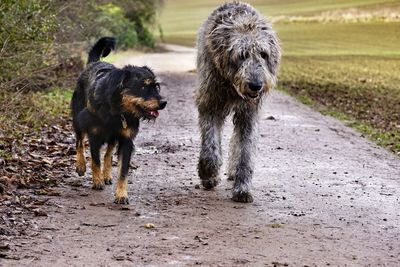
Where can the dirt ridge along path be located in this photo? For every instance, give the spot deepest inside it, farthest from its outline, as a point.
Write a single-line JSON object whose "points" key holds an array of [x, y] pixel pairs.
{"points": [[323, 196]]}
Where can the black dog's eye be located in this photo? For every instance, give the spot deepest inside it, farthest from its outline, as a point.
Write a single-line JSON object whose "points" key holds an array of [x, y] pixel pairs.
{"points": [[158, 87], [263, 55]]}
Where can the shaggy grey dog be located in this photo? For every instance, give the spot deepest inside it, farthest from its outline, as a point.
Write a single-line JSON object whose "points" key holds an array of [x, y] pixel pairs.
{"points": [[237, 62]]}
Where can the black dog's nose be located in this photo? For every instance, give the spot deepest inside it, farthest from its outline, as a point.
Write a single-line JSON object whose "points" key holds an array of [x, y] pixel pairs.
{"points": [[257, 86], [162, 105]]}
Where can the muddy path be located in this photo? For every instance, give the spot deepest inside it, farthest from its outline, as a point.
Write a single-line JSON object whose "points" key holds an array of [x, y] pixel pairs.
{"points": [[323, 196]]}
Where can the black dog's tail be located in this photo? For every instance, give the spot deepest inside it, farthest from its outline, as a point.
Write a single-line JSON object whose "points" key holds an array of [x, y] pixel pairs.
{"points": [[101, 48]]}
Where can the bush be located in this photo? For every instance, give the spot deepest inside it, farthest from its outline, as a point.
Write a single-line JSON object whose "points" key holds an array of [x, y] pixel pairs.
{"points": [[26, 36], [147, 38], [129, 22], [113, 22], [143, 14], [38, 37]]}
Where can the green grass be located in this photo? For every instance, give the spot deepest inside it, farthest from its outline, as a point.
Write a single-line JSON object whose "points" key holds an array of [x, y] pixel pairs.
{"points": [[180, 19], [51, 104], [33, 109], [312, 39], [182, 14], [180, 24], [348, 70], [25, 114]]}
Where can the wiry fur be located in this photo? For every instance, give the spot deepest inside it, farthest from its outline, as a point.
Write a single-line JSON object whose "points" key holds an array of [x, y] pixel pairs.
{"points": [[237, 63], [107, 106]]}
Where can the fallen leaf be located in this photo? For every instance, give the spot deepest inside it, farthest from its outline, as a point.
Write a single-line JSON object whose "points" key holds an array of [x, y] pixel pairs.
{"points": [[39, 212], [149, 226], [4, 246]]}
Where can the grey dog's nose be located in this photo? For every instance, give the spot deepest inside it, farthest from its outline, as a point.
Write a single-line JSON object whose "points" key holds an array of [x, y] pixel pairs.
{"points": [[162, 105], [257, 86]]}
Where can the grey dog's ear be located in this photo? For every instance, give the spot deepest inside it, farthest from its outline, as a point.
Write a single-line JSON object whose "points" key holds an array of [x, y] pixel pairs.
{"points": [[275, 54]]}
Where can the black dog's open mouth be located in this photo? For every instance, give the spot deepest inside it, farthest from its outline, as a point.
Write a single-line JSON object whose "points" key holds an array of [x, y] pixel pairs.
{"points": [[151, 114]]}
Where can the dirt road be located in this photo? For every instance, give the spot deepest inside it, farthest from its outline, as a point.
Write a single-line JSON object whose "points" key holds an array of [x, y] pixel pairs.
{"points": [[323, 196]]}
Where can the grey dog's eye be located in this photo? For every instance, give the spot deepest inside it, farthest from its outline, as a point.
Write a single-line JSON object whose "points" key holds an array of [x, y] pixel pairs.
{"points": [[263, 55], [244, 55]]}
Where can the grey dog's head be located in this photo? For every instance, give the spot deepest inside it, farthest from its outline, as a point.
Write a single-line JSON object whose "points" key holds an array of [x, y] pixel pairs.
{"points": [[246, 51]]}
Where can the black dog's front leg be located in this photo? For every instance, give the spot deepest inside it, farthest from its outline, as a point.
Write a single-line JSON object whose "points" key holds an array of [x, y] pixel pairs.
{"points": [[80, 154], [125, 150], [241, 154], [95, 146], [107, 163]]}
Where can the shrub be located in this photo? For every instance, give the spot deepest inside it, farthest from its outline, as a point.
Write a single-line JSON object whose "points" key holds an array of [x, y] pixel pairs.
{"points": [[112, 21], [38, 38], [26, 36]]}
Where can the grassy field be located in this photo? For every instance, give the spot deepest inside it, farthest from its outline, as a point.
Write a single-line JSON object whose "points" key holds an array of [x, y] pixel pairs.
{"points": [[342, 57]]}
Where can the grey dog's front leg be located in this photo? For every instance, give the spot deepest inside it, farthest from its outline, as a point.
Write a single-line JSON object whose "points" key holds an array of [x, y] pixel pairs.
{"points": [[234, 154], [210, 159], [241, 155]]}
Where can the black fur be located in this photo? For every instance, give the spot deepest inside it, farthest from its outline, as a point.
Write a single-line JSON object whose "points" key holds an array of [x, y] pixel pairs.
{"points": [[107, 106], [102, 48]]}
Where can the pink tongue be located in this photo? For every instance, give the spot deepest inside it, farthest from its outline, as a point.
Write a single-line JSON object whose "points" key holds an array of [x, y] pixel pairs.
{"points": [[154, 113]]}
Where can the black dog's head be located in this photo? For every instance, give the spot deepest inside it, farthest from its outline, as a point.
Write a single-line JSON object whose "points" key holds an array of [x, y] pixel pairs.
{"points": [[137, 92]]}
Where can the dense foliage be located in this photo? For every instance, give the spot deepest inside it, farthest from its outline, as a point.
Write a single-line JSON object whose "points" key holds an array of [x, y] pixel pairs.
{"points": [[40, 39], [26, 35]]}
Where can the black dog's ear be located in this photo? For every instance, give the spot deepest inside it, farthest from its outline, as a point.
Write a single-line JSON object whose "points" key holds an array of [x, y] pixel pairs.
{"points": [[149, 70], [115, 80], [115, 84]]}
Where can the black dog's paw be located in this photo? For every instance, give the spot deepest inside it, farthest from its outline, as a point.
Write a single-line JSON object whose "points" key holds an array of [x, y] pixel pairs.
{"points": [[98, 186], [81, 170], [108, 181], [210, 183], [242, 196], [121, 200]]}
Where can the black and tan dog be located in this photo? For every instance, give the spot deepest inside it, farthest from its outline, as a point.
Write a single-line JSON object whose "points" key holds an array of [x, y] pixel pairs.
{"points": [[107, 106]]}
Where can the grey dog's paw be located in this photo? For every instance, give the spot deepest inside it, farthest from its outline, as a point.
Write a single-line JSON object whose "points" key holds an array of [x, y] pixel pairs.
{"points": [[210, 183], [242, 196]]}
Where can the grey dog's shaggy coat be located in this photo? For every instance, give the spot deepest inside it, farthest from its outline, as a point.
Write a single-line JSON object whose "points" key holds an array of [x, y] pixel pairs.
{"points": [[237, 62]]}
